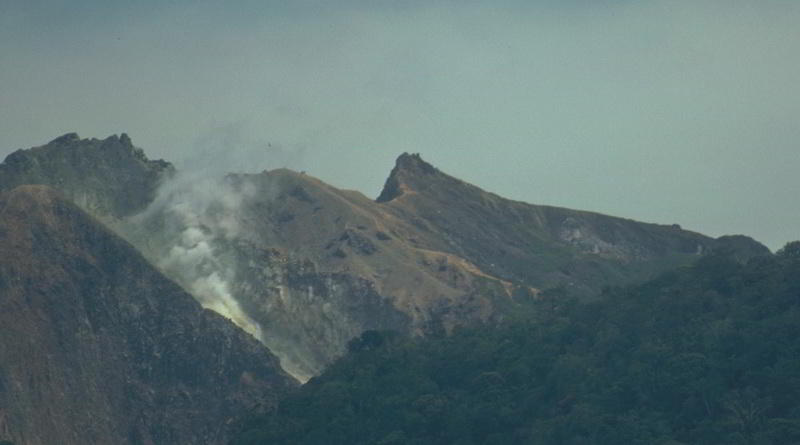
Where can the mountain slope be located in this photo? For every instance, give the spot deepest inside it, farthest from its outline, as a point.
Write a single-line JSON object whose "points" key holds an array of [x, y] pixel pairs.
{"points": [[312, 265], [706, 354], [96, 346], [315, 265], [540, 246], [306, 267]]}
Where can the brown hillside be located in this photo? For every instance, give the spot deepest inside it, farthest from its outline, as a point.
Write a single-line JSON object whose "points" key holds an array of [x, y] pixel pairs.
{"points": [[96, 346]]}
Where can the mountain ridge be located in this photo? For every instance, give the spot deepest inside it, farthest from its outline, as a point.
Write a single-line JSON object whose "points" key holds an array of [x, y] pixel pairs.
{"points": [[311, 266], [415, 189], [109, 178]]}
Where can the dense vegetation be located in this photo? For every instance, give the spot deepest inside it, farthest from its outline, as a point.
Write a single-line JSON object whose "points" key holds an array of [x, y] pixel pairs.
{"points": [[705, 354]]}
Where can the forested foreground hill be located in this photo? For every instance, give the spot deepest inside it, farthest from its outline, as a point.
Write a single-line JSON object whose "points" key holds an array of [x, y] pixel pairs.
{"points": [[705, 354]]}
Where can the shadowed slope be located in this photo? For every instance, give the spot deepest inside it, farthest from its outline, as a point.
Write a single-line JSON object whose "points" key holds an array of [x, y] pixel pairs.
{"points": [[96, 346]]}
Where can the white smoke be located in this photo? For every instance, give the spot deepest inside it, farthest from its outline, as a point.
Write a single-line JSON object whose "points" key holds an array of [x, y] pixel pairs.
{"points": [[184, 230], [194, 226]]}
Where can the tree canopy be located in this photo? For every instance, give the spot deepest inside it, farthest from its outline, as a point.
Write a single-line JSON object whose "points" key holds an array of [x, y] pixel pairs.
{"points": [[704, 354]]}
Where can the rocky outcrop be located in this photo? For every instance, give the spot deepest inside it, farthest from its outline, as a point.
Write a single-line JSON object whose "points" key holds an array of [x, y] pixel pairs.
{"points": [[308, 315], [96, 346], [108, 178]]}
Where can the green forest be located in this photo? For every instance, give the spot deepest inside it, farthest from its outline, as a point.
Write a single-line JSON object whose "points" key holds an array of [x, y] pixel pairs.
{"points": [[705, 354]]}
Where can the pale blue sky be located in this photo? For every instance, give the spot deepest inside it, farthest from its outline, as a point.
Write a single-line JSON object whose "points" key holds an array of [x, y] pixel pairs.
{"points": [[663, 111]]}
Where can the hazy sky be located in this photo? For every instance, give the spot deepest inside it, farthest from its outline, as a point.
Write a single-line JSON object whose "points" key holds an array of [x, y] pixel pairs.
{"points": [[664, 111]]}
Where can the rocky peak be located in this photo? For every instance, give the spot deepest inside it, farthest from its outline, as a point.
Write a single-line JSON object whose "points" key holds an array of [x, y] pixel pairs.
{"points": [[409, 171], [108, 178], [413, 163]]}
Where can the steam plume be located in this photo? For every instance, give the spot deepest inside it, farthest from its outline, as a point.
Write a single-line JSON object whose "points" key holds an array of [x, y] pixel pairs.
{"points": [[187, 225]]}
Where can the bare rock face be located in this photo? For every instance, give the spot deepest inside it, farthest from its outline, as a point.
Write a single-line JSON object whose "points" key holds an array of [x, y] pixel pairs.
{"points": [[308, 314], [97, 346], [107, 178]]}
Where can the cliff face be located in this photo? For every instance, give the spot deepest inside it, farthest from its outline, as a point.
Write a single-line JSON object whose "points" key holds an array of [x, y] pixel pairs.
{"points": [[96, 346]]}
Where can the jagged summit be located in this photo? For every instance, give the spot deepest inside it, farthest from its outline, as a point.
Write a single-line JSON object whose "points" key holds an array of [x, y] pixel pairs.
{"points": [[109, 177], [414, 163], [73, 138], [410, 171]]}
